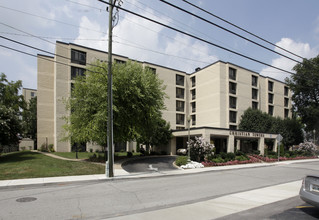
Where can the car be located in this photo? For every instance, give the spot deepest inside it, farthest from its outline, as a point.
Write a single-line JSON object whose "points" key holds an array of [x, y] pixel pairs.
{"points": [[181, 151], [309, 191]]}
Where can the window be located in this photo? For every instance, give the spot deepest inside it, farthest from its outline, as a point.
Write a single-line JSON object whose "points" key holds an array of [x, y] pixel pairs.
{"points": [[153, 70], [179, 80], [254, 80], [232, 73], [271, 110], [286, 113], [254, 94], [179, 93], [232, 88], [180, 118], [193, 79], [232, 102], [270, 98], [286, 102], [232, 127], [232, 116], [119, 61], [286, 91], [270, 86], [76, 71], [180, 128], [32, 94], [78, 57], [193, 106], [180, 106], [193, 119], [254, 105], [193, 94]]}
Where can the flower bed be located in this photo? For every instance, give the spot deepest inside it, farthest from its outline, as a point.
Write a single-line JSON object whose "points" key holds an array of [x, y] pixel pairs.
{"points": [[233, 162], [267, 159]]}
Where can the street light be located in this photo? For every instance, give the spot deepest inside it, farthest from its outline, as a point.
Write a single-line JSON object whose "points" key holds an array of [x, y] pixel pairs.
{"points": [[188, 145]]}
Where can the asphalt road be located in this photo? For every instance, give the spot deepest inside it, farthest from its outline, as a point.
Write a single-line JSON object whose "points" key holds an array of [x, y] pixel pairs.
{"points": [[289, 209], [150, 164], [107, 199]]}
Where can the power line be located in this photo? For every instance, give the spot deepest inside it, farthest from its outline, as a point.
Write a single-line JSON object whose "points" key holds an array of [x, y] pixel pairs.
{"points": [[240, 28], [198, 38], [225, 29]]}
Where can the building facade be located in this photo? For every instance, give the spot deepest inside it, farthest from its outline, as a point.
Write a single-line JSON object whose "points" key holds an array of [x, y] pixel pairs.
{"points": [[211, 98], [28, 94]]}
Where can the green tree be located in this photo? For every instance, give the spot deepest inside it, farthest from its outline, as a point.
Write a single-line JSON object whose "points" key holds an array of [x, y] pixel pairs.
{"points": [[30, 119], [290, 129], [138, 98], [255, 120], [11, 106], [305, 87]]}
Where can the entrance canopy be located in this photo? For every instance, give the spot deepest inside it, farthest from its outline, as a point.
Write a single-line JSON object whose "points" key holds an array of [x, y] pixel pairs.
{"points": [[229, 139]]}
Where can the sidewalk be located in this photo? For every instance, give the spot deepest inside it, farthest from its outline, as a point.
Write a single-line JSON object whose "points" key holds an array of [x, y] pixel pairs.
{"points": [[119, 174]]}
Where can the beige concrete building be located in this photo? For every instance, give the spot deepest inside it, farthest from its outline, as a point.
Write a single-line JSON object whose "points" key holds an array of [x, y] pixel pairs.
{"points": [[213, 98], [29, 94]]}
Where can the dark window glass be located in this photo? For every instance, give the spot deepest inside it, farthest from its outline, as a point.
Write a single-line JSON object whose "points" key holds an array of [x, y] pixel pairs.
{"points": [[271, 110], [76, 71], [286, 91], [120, 61], [180, 118], [180, 106], [232, 88], [193, 81], [254, 105], [286, 102], [232, 102], [232, 116], [180, 128], [193, 119], [78, 57], [32, 94], [286, 113], [270, 86], [153, 70], [193, 106], [254, 94], [179, 80], [179, 93], [232, 73], [232, 127], [254, 80], [193, 94], [270, 98]]}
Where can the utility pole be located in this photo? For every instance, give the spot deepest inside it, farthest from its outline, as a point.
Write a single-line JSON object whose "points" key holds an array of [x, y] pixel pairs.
{"points": [[110, 146]]}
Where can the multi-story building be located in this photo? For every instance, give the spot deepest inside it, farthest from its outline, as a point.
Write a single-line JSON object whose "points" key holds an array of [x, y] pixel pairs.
{"points": [[29, 94], [212, 99]]}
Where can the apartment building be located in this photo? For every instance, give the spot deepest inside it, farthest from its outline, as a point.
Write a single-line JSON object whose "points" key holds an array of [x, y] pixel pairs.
{"points": [[29, 94], [212, 98]]}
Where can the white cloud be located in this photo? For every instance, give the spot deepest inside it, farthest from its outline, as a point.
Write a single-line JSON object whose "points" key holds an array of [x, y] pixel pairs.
{"points": [[299, 48]]}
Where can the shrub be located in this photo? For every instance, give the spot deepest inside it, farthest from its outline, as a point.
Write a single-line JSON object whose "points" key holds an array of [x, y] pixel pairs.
{"points": [[163, 152], [23, 148], [51, 148], [307, 148], [256, 152], [91, 150], [129, 154], [181, 160], [218, 160], [241, 158], [199, 149], [43, 148], [240, 153]]}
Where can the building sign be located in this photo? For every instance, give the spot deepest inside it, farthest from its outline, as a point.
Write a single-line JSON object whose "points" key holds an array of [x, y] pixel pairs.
{"points": [[246, 134]]}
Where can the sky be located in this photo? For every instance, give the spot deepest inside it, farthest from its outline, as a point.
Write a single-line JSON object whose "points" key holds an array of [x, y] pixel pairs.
{"points": [[290, 24]]}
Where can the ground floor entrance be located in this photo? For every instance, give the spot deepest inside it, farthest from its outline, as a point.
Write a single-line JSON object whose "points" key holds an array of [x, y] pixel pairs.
{"points": [[226, 140]]}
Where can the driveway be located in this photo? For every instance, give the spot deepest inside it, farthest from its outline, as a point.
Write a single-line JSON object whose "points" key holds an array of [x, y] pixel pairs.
{"points": [[150, 164]]}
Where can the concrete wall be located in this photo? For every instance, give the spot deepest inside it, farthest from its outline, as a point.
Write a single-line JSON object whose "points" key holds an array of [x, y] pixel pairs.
{"points": [[45, 102]]}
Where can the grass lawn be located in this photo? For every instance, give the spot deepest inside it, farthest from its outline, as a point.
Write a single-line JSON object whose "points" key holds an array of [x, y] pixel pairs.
{"points": [[27, 164], [86, 155]]}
